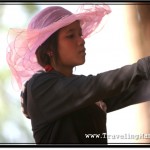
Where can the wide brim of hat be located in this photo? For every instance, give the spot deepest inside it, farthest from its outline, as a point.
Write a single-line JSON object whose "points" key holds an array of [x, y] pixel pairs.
{"points": [[22, 43]]}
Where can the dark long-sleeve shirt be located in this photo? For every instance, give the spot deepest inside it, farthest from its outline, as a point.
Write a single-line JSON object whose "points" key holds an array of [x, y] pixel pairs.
{"points": [[63, 110]]}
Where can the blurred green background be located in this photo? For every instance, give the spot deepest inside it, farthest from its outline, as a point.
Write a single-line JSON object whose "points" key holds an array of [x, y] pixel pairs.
{"points": [[14, 127]]}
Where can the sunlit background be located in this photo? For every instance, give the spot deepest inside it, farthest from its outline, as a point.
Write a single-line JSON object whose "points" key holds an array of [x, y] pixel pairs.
{"points": [[123, 40]]}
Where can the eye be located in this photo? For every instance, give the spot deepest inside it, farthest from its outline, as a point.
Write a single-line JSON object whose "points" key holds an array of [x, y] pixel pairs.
{"points": [[70, 36]]}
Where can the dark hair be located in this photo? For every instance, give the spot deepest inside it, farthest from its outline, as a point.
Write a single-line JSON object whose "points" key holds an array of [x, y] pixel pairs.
{"points": [[49, 45]]}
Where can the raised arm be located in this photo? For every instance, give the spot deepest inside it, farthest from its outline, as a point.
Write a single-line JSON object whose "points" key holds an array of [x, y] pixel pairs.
{"points": [[56, 95]]}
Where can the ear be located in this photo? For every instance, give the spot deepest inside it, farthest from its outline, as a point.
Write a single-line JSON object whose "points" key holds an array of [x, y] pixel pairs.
{"points": [[50, 53]]}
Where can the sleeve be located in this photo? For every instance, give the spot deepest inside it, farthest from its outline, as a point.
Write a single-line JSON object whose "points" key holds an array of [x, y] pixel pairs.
{"points": [[56, 96], [23, 98], [136, 93]]}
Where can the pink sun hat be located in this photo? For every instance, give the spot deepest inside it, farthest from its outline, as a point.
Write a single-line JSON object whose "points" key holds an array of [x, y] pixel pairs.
{"points": [[21, 56]]}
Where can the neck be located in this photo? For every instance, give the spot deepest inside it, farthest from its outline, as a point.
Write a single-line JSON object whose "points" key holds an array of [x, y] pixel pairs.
{"points": [[65, 70]]}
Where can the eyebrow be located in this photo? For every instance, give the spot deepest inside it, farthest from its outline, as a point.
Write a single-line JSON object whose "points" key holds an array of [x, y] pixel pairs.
{"points": [[73, 29], [70, 30]]}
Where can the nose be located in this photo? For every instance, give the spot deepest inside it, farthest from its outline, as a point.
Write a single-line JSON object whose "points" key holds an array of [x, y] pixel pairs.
{"points": [[81, 41]]}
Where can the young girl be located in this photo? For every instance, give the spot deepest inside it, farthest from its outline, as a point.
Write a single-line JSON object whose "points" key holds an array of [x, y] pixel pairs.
{"points": [[65, 108]]}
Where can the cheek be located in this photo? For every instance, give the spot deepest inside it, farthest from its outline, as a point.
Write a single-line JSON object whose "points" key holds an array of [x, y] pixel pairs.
{"points": [[66, 49], [64, 52], [66, 55]]}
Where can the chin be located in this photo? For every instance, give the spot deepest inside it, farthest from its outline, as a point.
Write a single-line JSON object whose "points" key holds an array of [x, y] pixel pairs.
{"points": [[81, 63]]}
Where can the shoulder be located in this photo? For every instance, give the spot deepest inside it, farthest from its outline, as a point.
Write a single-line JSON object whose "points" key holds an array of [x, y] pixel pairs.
{"points": [[41, 77], [46, 80]]}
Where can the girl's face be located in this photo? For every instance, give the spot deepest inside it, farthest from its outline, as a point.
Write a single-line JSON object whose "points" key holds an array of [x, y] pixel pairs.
{"points": [[71, 50]]}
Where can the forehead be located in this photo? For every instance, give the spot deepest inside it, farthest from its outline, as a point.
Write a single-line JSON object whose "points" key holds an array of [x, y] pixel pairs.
{"points": [[72, 27]]}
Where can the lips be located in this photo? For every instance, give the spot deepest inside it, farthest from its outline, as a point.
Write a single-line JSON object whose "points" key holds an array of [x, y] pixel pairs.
{"points": [[82, 52]]}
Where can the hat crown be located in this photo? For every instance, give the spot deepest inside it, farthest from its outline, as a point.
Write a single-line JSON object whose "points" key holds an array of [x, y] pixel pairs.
{"points": [[48, 16]]}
